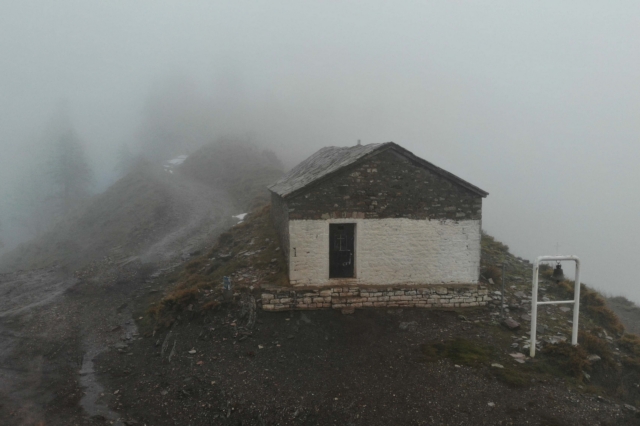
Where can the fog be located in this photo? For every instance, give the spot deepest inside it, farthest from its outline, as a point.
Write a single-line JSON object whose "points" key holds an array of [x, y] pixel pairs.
{"points": [[536, 103]]}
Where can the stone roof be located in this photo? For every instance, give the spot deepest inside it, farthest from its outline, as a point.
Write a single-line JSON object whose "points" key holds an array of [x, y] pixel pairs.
{"points": [[332, 158]]}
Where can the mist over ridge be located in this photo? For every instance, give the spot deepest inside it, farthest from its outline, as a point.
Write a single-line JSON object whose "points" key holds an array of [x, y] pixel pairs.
{"points": [[537, 104]]}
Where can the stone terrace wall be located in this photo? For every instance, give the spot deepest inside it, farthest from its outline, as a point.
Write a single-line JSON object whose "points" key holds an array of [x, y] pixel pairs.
{"points": [[358, 297]]}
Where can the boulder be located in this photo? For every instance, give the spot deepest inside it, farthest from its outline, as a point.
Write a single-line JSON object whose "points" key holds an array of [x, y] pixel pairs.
{"points": [[511, 324]]}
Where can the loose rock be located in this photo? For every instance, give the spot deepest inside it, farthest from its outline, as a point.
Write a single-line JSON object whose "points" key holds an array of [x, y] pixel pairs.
{"points": [[511, 324], [412, 325]]}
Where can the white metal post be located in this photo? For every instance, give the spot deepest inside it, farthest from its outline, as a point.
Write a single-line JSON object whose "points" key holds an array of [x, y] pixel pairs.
{"points": [[576, 304], [535, 303], [534, 309]]}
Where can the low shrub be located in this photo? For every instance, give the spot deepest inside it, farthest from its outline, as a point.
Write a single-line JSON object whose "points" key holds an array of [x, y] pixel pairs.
{"points": [[487, 241], [606, 318], [195, 265], [546, 271], [492, 272], [180, 298], [595, 305], [592, 344], [545, 267], [631, 343], [212, 304], [591, 303], [572, 359], [225, 238], [459, 351], [512, 377]]}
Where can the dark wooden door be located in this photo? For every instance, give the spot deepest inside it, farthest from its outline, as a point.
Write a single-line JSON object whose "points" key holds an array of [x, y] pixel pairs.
{"points": [[342, 254]]}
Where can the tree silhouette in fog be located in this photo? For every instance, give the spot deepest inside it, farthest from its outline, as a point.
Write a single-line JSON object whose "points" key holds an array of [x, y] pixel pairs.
{"points": [[55, 178], [69, 170]]}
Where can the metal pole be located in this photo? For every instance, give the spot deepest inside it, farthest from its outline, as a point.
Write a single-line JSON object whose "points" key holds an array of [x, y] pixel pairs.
{"points": [[534, 308], [535, 303], [576, 305], [502, 301]]}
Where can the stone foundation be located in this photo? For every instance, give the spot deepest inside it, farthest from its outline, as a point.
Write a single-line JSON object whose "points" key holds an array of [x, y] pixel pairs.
{"points": [[454, 296]]}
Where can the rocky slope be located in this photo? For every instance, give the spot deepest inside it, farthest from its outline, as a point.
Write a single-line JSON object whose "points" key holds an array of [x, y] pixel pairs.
{"points": [[142, 333], [92, 270], [206, 359], [150, 207]]}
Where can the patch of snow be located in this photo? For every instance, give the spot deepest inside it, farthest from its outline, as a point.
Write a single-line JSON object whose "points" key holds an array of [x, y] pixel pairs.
{"points": [[240, 217], [174, 162], [178, 160]]}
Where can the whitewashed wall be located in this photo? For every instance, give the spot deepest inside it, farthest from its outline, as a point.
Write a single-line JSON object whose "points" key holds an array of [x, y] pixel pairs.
{"points": [[390, 251]]}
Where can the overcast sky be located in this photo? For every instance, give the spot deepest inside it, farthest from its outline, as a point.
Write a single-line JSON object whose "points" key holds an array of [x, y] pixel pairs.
{"points": [[538, 103]]}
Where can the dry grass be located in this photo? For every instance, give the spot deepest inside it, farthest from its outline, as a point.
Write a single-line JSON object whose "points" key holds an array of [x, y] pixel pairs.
{"points": [[592, 304], [631, 343], [475, 354], [627, 311], [605, 317], [571, 359], [459, 351], [595, 345], [195, 265], [212, 304], [493, 254], [546, 271], [489, 243], [513, 377], [492, 272], [180, 297]]}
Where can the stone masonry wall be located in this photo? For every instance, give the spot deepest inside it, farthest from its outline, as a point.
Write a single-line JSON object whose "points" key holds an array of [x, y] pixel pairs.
{"points": [[280, 218], [358, 297], [388, 185]]}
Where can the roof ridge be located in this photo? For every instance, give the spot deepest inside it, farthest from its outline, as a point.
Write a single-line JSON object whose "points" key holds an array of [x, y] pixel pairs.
{"points": [[330, 159]]}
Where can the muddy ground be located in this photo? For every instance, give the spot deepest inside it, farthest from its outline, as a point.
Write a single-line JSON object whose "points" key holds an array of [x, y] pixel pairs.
{"points": [[323, 367]]}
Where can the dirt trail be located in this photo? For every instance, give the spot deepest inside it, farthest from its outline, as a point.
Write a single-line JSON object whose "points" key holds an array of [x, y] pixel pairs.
{"points": [[52, 325], [22, 296], [21, 292], [201, 210]]}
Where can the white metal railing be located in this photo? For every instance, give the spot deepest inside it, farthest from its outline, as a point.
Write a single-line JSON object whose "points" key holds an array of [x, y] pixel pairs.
{"points": [[535, 303]]}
